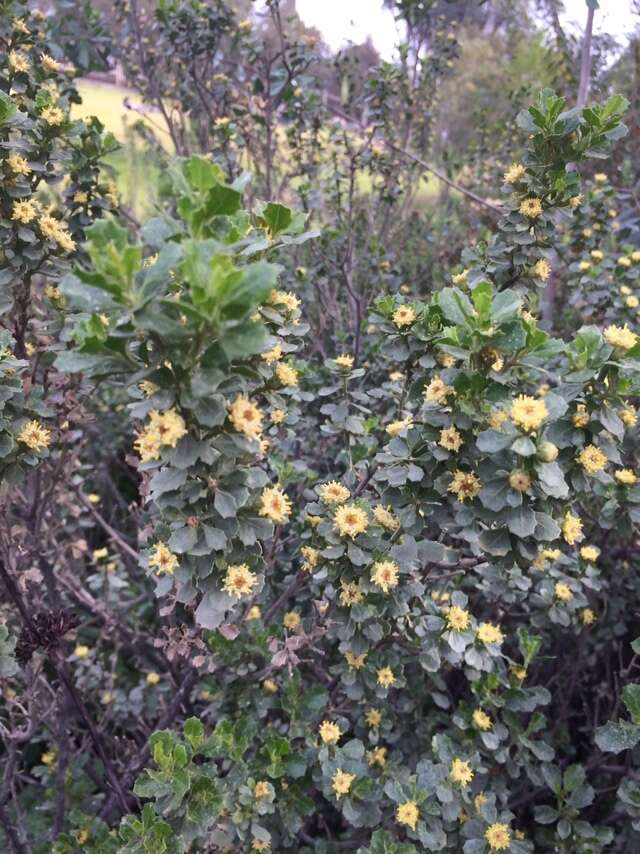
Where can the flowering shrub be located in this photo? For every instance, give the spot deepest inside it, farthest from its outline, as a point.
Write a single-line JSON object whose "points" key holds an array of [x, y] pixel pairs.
{"points": [[385, 598]]}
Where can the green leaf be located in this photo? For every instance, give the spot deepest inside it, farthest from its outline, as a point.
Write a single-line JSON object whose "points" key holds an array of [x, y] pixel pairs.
{"points": [[277, 217], [616, 737], [194, 732], [631, 699]]}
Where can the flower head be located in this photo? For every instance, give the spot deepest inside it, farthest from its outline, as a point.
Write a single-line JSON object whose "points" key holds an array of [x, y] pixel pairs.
{"points": [[52, 116], [341, 782], [489, 633], [458, 620], [528, 412], [53, 229], [590, 553], [465, 484], [287, 375], [562, 592], [405, 315], [350, 593], [18, 62], [385, 517], [169, 426], [377, 756], [239, 581], [437, 391], [542, 270], [344, 361], [273, 355], [329, 732], [373, 718], [275, 505], [350, 520], [163, 559], [460, 772], [497, 836], [35, 436], [620, 337], [481, 720], [531, 208], [246, 417], [571, 528], [355, 662], [396, 427], [17, 164], [310, 558], [592, 459], [333, 492], [153, 678], [291, 620], [289, 300], [386, 677], [49, 63], [625, 476], [24, 211], [519, 480], [450, 439], [514, 173], [407, 813], [385, 575]]}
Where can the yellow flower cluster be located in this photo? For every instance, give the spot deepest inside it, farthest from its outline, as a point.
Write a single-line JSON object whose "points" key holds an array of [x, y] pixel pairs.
{"points": [[246, 417], [350, 520], [341, 782], [239, 581], [162, 559], [275, 505], [464, 485], [54, 230], [592, 459], [35, 436], [460, 772], [528, 413], [407, 813], [164, 428], [497, 836], [405, 315], [458, 620], [437, 391], [333, 492], [385, 575], [385, 518]]}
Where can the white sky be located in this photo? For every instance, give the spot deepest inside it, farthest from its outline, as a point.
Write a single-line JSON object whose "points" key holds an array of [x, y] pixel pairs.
{"points": [[342, 21]]}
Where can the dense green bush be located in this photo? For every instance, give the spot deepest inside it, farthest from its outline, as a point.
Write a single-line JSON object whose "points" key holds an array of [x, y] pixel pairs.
{"points": [[260, 594]]}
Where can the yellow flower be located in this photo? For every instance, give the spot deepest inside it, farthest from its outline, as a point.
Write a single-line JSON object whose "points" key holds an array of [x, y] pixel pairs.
{"points": [[581, 417], [635, 256], [344, 361], [514, 173], [527, 412], [350, 593], [590, 553], [480, 800], [592, 459], [450, 439], [333, 492], [350, 520], [622, 338], [17, 164], [384, 517], [153, 678], [291, 620], [148, 388], [482, 720], [355, 662], [377, 756], [81, 651], [275, 505], [628, 416], [35, 436], [458, 620], [597, 255], [542, 270], [407, 813], [497, 836], [24, 211], [278, 415], [518, 671], [329, 732], [310, 556], [270, 686], [262, 789], [52, 116], [587, 232], [169, 426], [497, 419], [446, 360], [571, 528], [396, 376], [100, 554], [148, 445], [49, 757], [548, 452], [49, 63], [460, 278], [287, 375], [239, 581], [625, 476], [385, 575], [20, 26], [341, 782], [245, 26], [289, 300], [254, 613], [575, 201], [373, 718], [53, 230], [520, 481], [600, 178], [531, 208], [273, 355], [437, 391], [624, 290], [587, 616], [163, 559], [460, 772], [632, 302], [562, 592], [489, 633], [623, 261], [583, 266], [464, 485], [396, 427], [246, 417], [386, 677], [405, 315], [18, 62], [260, 845]]}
